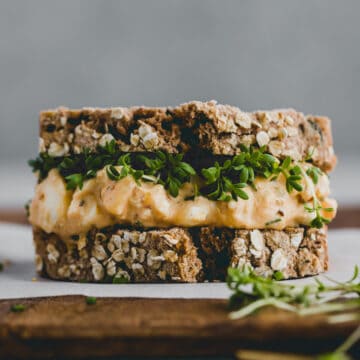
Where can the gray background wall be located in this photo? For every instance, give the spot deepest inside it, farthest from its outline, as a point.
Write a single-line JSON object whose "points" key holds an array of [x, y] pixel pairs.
{"points": [[254, 54]]}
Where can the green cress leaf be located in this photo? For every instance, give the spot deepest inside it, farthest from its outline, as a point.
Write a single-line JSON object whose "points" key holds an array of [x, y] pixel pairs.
{"points": [[225, 181], [173, 187], [211, 174], [319, 222], [73, 181], [110, 147], [91, 300], [292, 175], [278, 275], [170, 170], [17, 308], [112, 173], [286, 163], [314, 173], [120, 280], [244, 175]]}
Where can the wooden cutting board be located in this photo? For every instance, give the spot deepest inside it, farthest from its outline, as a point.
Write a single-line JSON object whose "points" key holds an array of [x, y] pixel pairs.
{"points": [[66, 326]]}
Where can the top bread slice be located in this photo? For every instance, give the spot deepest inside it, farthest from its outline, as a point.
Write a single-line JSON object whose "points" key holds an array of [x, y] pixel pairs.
{"points": [[195, 126]]}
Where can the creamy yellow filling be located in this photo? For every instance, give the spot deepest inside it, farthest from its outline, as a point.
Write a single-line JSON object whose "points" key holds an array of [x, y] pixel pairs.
{"points": [[103, 202]]}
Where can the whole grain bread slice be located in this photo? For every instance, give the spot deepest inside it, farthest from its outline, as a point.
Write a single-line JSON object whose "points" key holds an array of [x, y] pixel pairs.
{"points": [[195, 126], [180, 255]]}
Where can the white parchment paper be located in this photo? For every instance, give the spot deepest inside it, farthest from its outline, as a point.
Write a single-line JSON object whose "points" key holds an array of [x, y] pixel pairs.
{"points": [[16, 279]]}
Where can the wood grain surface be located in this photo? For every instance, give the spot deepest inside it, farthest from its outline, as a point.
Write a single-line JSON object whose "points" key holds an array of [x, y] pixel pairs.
{"points": [[67, 327]]}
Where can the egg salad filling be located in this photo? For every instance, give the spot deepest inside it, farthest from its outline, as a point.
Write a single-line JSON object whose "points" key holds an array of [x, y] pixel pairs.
{"points": [[105, 200]]}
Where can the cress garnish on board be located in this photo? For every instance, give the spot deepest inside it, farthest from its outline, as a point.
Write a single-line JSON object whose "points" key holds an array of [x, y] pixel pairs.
{"points": [[338, 301]]}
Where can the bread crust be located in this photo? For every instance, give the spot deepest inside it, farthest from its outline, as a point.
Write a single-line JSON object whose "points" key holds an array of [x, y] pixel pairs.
{"points": [[195, 126], [180, 255]]}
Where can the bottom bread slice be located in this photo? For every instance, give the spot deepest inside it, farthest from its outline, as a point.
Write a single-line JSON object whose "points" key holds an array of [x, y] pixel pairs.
{"points": [[179, 255]]}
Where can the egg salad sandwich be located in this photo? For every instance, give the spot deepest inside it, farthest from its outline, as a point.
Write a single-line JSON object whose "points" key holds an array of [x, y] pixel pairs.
{"points": [[179, 194]]}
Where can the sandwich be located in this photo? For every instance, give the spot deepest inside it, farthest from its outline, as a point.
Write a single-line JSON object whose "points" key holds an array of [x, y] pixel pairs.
{"points": [[179, 194]]}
